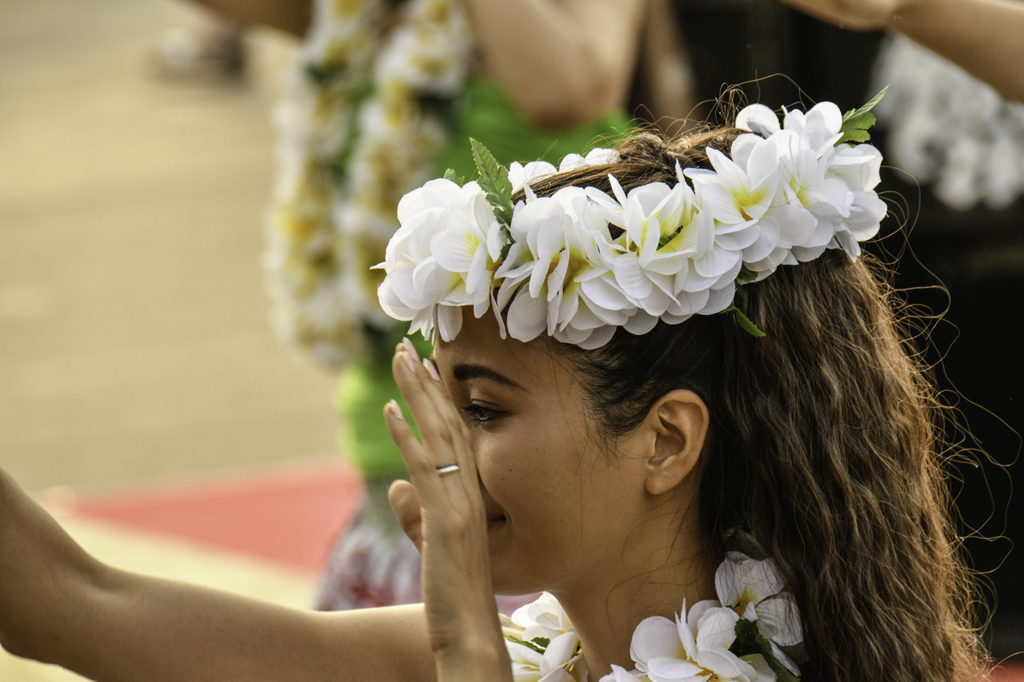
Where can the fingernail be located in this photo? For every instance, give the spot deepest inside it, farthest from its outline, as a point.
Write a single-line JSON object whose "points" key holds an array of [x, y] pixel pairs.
{"points": [[395, 410], [431, 370], [411, 349], [409, 362]]}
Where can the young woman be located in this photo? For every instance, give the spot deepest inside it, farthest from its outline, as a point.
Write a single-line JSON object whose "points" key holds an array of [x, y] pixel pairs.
{"points": [[382, 97], [666, 389]]}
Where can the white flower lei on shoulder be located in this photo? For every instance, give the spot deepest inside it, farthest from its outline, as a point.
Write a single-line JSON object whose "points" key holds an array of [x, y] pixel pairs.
{"points": [[743, 636], [788, 193], [365, 110]]}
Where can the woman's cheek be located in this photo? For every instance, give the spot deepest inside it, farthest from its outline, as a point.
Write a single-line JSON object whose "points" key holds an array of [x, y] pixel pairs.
{"points": [[498, 463]]}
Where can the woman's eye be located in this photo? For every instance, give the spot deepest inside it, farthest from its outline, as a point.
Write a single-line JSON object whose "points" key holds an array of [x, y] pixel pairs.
{"points": [[478, 414]]}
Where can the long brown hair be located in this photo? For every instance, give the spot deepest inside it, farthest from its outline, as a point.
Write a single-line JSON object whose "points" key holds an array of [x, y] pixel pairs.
{"points": [[822, 446]]}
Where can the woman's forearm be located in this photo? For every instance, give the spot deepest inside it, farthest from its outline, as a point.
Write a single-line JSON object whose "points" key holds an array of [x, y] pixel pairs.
{"points": [[60, 605], [984, 37], [130, 627], [563, 62], [127, 627]]}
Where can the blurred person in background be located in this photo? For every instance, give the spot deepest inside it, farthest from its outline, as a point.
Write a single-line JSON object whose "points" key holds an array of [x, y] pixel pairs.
{"points": [[382, 97]]}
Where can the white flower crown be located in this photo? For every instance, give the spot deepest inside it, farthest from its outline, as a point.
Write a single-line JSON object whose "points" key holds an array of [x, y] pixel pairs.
{"points": [[788, 193]]}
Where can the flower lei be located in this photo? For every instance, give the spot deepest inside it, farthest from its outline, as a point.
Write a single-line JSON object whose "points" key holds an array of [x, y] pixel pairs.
{"points": [[366, 108], [738, 637], [787, 193]]}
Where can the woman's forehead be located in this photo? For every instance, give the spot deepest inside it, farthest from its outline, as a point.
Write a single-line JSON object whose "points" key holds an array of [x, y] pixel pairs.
{"points": [[479, 343]]}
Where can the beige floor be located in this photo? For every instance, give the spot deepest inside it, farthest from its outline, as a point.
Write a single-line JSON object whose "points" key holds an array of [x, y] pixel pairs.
{"points": [[133, 334]]}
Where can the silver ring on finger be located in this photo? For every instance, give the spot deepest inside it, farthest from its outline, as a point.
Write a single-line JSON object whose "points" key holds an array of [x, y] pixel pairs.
{"points": [[443, 469]]}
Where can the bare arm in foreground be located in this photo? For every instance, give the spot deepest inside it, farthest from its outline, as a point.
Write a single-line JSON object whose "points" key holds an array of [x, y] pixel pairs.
{"points": [[59, 605], [984, 37]]}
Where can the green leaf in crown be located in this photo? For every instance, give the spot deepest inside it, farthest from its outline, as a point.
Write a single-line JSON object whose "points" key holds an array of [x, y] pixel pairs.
{"points": [[857, 121], [538, 644], [494, 181], [749, 640], [457, 179], [742, 321]]}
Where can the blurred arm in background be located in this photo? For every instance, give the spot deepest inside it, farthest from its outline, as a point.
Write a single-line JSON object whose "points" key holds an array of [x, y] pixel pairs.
{"points": [[562, 62], [290, 16], [984, 37]]}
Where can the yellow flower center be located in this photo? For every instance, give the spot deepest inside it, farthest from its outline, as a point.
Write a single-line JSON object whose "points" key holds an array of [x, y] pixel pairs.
{"points": [[740, 605]]}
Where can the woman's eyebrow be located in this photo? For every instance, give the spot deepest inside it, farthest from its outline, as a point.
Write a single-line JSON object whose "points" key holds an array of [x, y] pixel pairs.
{"points": [[466, 371]]}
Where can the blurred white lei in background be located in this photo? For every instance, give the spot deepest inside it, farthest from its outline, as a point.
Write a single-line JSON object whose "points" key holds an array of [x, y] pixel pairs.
{"points": [[739, 637], [950, 129], [364, 112], [787, 194]]}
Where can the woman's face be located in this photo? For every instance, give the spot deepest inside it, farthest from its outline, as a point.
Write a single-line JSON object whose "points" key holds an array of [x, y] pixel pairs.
{"points": [[562, 508]]}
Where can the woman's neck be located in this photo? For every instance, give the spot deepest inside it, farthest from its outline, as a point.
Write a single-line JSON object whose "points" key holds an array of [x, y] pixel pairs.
{"points": [[605, 615]]}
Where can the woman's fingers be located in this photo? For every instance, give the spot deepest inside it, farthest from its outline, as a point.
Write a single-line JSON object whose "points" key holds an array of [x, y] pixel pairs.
{"points": [[442, 469], [446, 439], [442, 512], [406, 505]]}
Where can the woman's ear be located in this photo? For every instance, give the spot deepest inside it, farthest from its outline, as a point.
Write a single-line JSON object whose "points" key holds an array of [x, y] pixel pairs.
{"points": [[679, 423]]}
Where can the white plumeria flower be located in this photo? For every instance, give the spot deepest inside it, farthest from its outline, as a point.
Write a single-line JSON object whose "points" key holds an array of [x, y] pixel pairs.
{"points": [[543, 617], [695, 648], [834, 184], [555, 269], [858, 167], [522, 176], [759, 119], [738, 195], [595, 157], [754, 590], [416, 283], [664, 233], [808, 206], [820, 125], [471, 246], [620, 674], [560, 662]]}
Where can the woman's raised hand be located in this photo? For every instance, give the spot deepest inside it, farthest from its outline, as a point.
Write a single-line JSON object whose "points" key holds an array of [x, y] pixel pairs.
{"points": [[442, 512]]}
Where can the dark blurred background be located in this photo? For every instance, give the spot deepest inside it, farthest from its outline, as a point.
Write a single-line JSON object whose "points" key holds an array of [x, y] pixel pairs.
{"points": [[969, 262]]}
